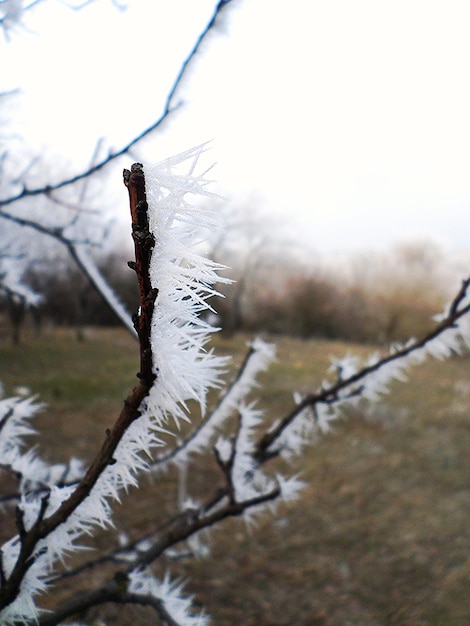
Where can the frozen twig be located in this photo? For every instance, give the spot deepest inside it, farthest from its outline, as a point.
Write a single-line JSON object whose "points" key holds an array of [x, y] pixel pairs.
{"points": [[372, 380], [168, 108]]}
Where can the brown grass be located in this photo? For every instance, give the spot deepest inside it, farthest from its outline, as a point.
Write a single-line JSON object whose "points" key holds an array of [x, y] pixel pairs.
{"points": [[381, 535]]}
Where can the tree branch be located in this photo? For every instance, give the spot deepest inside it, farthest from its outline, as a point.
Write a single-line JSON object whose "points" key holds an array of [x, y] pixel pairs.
{"points": [[179, 528], [331, 393], [112, 156], [83, 262], [129, 413], [190, 522], [144, 243], [111, 592]]}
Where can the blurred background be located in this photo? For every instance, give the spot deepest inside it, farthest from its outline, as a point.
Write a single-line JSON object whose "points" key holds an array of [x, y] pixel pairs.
{"points": [[340, 133]]}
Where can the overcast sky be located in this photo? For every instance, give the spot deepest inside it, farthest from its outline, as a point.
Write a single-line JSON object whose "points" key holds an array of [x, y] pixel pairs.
{"points": [[351, 118]]}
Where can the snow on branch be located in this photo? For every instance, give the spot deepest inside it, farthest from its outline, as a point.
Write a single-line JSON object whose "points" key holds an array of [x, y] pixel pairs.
{"points": [[140, 587], [57, 505], [11, 281], [88, 266], [11, 14], [258, 358], [31, 472], [370, 381], [174, 285], [184, 281]]}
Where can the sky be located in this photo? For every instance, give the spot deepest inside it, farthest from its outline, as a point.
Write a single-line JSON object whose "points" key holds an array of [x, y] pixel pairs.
{"points": [[349, 119]]}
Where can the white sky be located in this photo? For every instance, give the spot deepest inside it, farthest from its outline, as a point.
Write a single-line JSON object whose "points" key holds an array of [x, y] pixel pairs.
{"points": [[352, 118]]}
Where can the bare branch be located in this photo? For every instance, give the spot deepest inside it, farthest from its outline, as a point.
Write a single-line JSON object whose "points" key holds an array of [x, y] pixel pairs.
{"points": [[168, 108], [144, 243]]}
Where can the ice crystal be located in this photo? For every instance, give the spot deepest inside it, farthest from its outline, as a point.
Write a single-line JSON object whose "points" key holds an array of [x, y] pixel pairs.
{"points": [[169, 592], [184, 371], [259, 357], [185, 281]]}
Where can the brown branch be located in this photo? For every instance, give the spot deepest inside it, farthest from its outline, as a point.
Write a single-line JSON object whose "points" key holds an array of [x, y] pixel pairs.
{"points": [[129, 413], [176, 530], [453, 309], [190, 522], [227, 466], [115, 592], [144, 243], [331, 394], [8, 414]]}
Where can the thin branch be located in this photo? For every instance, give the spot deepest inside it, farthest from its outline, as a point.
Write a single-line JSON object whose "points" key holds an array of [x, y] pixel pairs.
{"points": [[453, 309], [77, 208], [129, 413], [112, 156], [176, 530], [81, 259], [90, 270], [190, 522], [118, 555], [227, 466], [111, 592], [9, 413], [173, 531], [56, 232], [331, 394]]}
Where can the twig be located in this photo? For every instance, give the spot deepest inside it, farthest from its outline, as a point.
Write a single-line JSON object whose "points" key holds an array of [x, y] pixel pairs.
{"points": [[331, 394], [112, 156], [179, 528], [190, 522], [111, 592], [129, 413]]}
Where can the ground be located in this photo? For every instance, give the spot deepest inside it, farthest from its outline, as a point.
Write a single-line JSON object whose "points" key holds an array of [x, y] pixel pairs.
{"points": [[381, 534]]}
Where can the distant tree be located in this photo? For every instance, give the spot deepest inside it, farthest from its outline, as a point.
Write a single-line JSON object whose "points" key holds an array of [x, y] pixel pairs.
{"points": [[405, 285], [262, 260]]}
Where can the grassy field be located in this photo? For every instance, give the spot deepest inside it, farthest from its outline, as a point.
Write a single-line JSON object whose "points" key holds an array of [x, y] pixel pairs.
{"points": [[381, 535]]}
